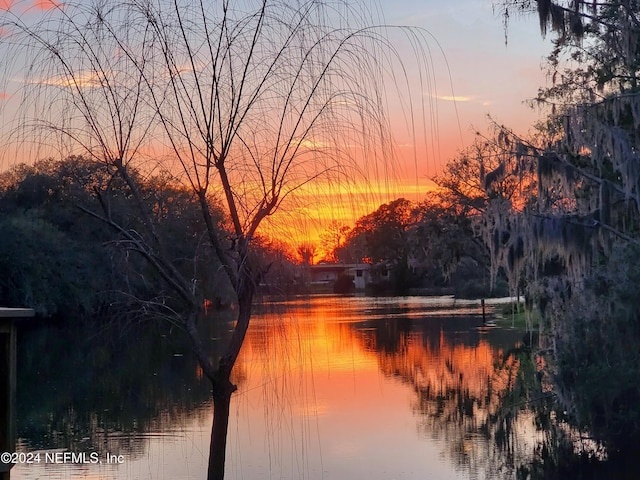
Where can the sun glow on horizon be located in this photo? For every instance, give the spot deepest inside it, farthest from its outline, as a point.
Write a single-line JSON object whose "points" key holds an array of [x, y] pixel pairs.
{"points": [[313, 207], [422, 131]]}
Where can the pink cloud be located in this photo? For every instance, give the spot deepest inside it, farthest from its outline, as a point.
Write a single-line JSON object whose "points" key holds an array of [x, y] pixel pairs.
{"points": [[37, 4], [3, 95], [44, 4]]}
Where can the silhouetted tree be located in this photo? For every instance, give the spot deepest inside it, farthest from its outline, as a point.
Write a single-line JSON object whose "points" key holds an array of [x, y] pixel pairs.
{"points": [[382, 233], [249, 100], [333, 239], [573, 239], [307, 253], [443, 240]]}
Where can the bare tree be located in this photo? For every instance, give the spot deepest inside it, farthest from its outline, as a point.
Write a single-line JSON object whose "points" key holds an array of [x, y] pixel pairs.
{"points": [[240, 100], [333, 239]]}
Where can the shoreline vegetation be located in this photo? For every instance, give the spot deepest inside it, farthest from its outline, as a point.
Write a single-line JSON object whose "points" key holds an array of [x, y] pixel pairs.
{"points": [[64, 261]]}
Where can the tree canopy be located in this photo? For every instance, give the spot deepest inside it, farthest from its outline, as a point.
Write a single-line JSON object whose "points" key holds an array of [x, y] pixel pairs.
{"points": [[569, 244]]}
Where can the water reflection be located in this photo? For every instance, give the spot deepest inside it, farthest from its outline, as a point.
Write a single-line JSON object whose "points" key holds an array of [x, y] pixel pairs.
{"points": [[329, 387], [102, 390], [377, 367]]}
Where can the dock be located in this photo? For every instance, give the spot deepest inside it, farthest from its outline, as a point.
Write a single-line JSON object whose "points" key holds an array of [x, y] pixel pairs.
{"points": [[8, 345]]}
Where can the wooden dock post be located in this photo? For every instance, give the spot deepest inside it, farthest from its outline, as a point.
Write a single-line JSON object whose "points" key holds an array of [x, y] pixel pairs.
{"points": [[8, 317]]}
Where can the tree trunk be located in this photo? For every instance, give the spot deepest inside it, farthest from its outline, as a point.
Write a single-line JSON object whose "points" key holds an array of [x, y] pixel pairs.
{"points": [[221, 381], [222, 391]]}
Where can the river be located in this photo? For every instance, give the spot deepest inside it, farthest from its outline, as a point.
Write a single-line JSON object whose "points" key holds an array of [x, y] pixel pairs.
{"points": [[328, 388]]}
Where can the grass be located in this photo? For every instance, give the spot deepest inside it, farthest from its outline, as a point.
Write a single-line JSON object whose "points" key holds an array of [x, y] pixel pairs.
{"points": [[514, 315]]}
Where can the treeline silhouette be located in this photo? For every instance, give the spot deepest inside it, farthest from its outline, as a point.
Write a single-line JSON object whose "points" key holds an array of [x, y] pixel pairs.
{"points": [[59, 258], [427, 247]]}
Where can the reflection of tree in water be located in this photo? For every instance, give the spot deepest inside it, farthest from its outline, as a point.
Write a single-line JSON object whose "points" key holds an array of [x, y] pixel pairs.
{"points": [[476, 393], [478, 399], [84, 389]]}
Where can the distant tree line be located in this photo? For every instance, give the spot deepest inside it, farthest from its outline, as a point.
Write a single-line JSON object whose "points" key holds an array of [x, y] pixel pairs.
{"points": [[60, 260], [431, 245], [441, 241]]}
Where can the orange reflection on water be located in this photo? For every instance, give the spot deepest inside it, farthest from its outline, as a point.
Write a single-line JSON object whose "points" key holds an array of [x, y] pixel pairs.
{"points": [[446, 367], [345, 388], [307, 340], [323, 339]]}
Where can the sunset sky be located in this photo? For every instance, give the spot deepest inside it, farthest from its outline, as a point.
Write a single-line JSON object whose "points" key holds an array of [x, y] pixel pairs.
{"points": [[472, 72], [487, 75], [478, 74]]}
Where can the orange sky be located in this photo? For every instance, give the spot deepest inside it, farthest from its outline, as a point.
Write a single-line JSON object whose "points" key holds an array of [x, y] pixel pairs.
{"points": [[467, 73], [38, 4], [475, 74]]}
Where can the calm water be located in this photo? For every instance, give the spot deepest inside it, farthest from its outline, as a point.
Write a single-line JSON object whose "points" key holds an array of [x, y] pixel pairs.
{"points": [[329, 388]]}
